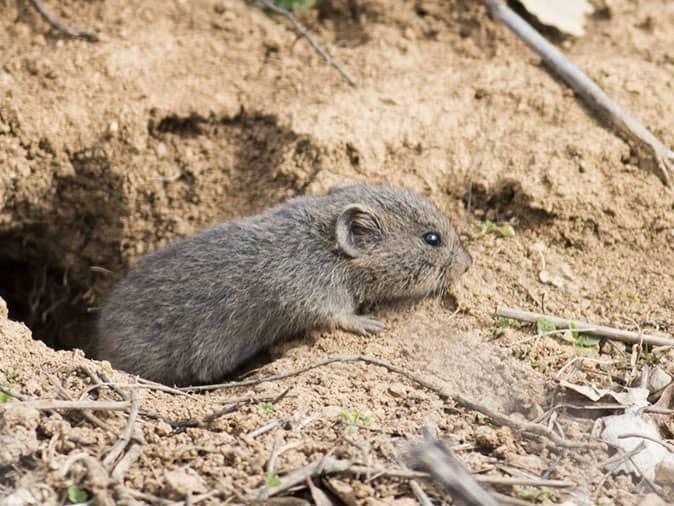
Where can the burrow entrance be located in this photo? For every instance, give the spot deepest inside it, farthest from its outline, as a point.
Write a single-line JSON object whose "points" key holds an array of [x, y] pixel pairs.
{"points": [[62, 252]]}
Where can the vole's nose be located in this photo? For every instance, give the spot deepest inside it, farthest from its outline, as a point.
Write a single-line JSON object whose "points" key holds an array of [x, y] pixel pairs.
{"points": [[465, 260]]}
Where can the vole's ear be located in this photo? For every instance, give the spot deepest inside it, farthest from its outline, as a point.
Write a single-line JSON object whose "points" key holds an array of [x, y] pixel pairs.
{"points": [[357, 229]]}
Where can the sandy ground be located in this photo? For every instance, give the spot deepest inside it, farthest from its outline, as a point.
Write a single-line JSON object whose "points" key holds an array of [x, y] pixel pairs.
{"points": [[189, 113]]}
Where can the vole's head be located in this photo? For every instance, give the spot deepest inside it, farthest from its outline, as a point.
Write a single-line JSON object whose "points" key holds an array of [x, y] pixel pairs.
{"points": [[398, 245]]}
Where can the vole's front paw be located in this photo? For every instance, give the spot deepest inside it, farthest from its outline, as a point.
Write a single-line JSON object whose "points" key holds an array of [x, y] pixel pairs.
{"points": [[360, 324]]}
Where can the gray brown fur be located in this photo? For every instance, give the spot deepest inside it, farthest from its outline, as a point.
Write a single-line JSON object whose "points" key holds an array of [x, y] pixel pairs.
{"points": [[197, 309]]}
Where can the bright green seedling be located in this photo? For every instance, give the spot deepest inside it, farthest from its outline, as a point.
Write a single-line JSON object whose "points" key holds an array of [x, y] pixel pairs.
{"points": [[489, 227], [536, 495], [295, 5], [3, 396], [76, 495], [545, 326], [504, 323], [492, 404], [356, 418], [272, 480], [265, 409]]}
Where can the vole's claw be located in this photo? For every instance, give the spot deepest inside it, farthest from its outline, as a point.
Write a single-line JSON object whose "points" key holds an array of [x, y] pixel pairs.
{"points": [[361, 324]]}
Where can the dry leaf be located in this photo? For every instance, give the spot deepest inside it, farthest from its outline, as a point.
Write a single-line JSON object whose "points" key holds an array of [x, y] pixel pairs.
{"points": [[567, 16]]}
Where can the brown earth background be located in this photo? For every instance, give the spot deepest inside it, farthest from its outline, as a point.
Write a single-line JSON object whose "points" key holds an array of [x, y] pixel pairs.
{"points": [[190, 113]]}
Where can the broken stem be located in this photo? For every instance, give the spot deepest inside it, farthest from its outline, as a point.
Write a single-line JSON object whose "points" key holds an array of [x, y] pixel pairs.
{"points": [[625, 336], [593, 95]]}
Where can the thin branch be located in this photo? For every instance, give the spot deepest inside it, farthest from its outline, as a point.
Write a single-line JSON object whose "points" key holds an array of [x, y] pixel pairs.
{"points": [[593, 95], [45, 404], [421, 496], [303, 32], [625, 336], [433, 457], [60, 25], [441, 392], [125, 436]]}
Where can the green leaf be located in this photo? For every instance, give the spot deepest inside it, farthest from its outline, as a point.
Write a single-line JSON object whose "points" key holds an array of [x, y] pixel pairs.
{"points": [[587, 341], [489, 226], [272, 480], [544, 325], [295, 5], [265, 409], [76, 495], [504, 323], [4, 397], [506, 231]]}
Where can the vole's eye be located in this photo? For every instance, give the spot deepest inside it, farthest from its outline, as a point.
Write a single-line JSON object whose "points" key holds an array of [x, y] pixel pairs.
{"points": [[432, 238]]}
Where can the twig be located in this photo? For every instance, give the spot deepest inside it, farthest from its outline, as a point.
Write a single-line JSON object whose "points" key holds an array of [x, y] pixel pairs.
{"points": [[652, 439], [619, 460], [303, 32], [324, 465], [143, 384], [589, 328], [441, 392], [126, 434], [85, 413], [262, 430], [593, 95], [418, 492], [59, 25], [45, 404], [16, 395], [436, 459]]}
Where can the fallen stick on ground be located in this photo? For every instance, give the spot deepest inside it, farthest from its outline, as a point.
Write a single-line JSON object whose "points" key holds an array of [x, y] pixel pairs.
{"points": [[303, 32], [626, 336], [433, 457], [330, 465], [60, 25], [593, 95], [125, 435], [44, 404], [518, 426]]}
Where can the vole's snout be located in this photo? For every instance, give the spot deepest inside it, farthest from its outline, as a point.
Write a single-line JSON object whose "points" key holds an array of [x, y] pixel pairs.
{"points": [[464, 261]]}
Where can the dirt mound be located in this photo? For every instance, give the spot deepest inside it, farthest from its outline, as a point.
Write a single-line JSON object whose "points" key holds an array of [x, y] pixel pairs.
{"points": [[188, 113]]}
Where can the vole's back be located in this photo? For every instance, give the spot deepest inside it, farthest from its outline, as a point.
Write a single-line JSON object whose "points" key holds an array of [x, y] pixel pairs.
{"points": [[198, 308]]}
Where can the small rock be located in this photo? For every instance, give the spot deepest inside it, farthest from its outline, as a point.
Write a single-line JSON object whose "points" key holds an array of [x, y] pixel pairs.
{"points": [[664, 473], [181, 482], [161, 150], [397, 390], [652, 500], [658, 380], [4, 312], [113, 127], [332, 411]]}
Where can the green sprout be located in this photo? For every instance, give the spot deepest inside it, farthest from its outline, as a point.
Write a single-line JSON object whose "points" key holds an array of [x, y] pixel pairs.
{"points": [[489, 227], [294, 5], [272, 480], [76, 495], [265, 408]]}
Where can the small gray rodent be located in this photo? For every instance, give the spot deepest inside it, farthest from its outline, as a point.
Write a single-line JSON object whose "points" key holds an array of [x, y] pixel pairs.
{"points": [[197, 309]]}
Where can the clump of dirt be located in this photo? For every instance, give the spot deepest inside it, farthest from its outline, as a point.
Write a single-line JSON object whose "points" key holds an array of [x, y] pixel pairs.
{"points": [[189, 113]]}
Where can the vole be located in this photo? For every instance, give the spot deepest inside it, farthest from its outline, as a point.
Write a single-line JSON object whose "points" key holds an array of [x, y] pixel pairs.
{"points": [[196, 310]]}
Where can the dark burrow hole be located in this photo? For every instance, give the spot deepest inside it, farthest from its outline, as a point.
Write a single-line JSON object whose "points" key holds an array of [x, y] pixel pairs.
{"points": [[48, 301]]}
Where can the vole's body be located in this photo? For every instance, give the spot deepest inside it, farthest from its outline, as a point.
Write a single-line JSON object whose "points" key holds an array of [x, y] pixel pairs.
{"points": [[194, 311]]}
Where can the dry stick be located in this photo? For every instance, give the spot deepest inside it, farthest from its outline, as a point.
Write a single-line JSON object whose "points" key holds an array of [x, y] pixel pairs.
{"points": [[16, 395], [626, 336], [125, 436], [436, 459], [593, 95], [60, 25], [648, 438], [85, 413], [418, 492], [302, 31], [45, 404], [441, 392]]}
